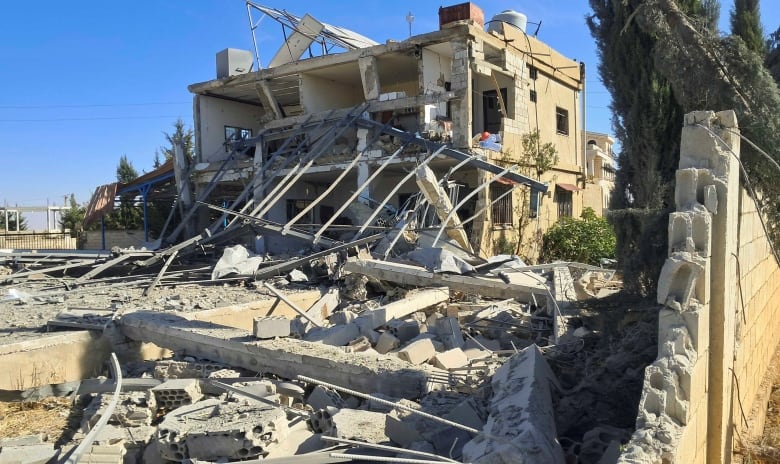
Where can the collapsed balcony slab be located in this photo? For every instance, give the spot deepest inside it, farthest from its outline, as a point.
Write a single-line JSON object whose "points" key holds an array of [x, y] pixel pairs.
{"points": [[284, 357]]}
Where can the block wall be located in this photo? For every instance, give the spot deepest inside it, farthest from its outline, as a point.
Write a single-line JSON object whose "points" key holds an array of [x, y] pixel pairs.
{"points": [[757, 321]]}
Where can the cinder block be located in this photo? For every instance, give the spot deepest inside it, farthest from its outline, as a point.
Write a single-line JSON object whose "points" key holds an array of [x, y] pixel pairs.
{"points": [[177, 392], [271, 326], [321, 398], [450, 359], [418, 352], [358, 345], [404, 330], [400, 432], [387, 342]]}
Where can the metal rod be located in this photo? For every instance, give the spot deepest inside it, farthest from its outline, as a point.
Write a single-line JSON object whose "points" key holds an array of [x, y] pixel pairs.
{"points": [[387, 448], [116, 372], [393, 192], [290, 304], [389, 403]]}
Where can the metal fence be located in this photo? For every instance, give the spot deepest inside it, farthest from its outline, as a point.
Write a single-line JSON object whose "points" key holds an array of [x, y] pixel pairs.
{"points": [[37, 240]]}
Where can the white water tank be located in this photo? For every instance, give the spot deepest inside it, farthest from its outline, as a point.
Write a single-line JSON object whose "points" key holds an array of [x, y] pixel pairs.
{"points": [[518, 20]]}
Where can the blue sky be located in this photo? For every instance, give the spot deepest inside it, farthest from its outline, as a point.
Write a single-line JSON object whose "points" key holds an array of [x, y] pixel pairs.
{"points": [[85, 82]]}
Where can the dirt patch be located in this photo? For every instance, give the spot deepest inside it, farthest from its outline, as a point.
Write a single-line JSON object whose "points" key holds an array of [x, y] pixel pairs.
{"points": [[47, 418]]}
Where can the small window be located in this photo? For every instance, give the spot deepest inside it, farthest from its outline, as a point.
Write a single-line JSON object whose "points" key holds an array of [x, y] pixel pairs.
{"points": [[563, 199], [533, 73], [536, 197], [562, 121], [234, 134], [532, 96], [294, 207], [501, 204]]}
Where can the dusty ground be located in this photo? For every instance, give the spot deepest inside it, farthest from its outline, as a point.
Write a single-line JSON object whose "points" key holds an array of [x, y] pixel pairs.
{"points": [[767, 449], [46, 418]]}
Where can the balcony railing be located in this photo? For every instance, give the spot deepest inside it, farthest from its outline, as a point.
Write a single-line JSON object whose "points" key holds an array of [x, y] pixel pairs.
{"points": [[37, 240]]}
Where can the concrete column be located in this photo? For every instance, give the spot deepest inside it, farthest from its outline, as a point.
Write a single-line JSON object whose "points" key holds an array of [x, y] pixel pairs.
{"points": [[258, 193], [363, 173], [369, 74], [461, 81]]}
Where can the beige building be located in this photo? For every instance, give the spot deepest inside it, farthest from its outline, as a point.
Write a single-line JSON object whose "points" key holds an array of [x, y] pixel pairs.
{"points": [[316, 145], [600, 169]]}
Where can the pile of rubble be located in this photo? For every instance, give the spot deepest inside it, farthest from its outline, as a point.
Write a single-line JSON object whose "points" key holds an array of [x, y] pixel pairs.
{"points": [[427, 358]]}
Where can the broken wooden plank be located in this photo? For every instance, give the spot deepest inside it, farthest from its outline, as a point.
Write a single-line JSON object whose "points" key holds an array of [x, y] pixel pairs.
{"points": [[414, 275]]}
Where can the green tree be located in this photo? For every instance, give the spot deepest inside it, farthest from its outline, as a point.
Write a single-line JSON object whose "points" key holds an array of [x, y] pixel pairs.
{"points": [[586, 240], [773, 55], [647, 121], [73, 218], [180, 135], [127, 216], [746, 24]]}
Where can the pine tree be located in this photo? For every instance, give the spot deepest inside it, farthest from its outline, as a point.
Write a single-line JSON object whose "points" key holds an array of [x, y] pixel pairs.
{"points": [[773, 55], [73, 218], [746, 24], [127, 216], [179, 135]]}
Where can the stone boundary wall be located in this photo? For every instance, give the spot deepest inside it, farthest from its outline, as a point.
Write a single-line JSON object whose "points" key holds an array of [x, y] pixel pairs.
{"points": [[757, 322], [719, 292], [118, 238]]}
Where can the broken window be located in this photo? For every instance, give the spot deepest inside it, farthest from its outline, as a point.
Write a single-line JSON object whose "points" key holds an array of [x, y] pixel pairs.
{"points": [[491, 110], [533, 73], [501, 204], [532, 96], [563, 199], [562, 120], [233, 134]]}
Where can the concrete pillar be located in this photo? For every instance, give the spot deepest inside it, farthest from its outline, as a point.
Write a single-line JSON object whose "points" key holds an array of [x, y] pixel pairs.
{"points": [[369, 74], [461, 81], [363, 173], [258, 193]]}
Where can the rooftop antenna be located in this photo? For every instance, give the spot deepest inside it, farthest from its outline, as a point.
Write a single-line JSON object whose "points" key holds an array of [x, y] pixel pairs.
{"points": [[410, 20]]}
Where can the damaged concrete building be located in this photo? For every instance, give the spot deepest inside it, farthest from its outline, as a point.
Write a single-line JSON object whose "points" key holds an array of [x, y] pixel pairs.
{"points": [[337, 140]]}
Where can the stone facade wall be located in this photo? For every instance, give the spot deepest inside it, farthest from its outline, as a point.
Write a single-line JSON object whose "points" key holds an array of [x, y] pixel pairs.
{"points": [[720, 296]]}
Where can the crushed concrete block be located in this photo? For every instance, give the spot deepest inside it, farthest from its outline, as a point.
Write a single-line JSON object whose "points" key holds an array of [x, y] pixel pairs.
{"points": [[214, 430], [271, 326], [133, 409], [293, 390], [450, 359], [321, 420], [342, 317], [418, 352], [300, 440], [225, 374], [338, 335], [387, 342], [40, 453], [322, 398], [449, 441], [359, 425], [404, 330], [170, 369], [401, 432], [177, 392], [448, 330], [358, 345]]}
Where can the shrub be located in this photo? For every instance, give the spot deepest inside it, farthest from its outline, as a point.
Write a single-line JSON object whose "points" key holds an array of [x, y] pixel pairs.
{"points": [[585, 240]]}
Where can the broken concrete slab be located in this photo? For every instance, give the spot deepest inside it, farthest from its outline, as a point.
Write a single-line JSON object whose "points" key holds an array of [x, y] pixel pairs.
{"points": [[413, 275], [359, 425], [521, 424], [284, 357], [322, 398], [337, 335], [413, 301], [387, 342]]}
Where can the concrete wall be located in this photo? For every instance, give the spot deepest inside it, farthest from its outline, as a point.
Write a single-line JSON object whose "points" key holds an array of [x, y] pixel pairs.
{"points": [[720, 291], [212, 115], [320, 94], [114, 238]]}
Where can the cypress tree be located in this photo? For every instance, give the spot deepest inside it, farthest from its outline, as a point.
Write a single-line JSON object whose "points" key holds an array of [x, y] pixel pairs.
{"points": [[647, 121], [746, 24]]}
